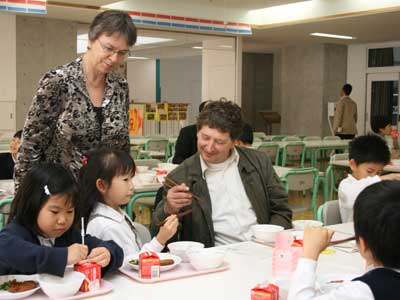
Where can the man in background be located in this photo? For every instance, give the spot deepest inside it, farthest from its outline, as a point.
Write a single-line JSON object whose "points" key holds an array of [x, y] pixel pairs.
{"points": [[345, 118], [186, 144]]}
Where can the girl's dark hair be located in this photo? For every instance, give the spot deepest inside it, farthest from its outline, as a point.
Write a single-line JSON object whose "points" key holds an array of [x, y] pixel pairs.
{"points": [[113, 21], [32, 194], [102, 164]]}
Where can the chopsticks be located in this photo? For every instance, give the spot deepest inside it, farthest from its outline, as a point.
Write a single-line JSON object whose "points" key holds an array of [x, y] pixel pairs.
{"points": [[169, 183], [342, 241], [182, 214]]}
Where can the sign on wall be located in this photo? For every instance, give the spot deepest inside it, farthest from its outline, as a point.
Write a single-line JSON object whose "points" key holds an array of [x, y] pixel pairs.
{"points": [[24, 6]]}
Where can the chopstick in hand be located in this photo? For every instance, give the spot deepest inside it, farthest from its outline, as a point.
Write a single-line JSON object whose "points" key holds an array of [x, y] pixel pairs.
{"points": [[169, 183], [182, 214], [342, 241]]}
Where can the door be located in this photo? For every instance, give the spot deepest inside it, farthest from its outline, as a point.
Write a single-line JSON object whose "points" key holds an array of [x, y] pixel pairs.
{"points": [[382, 98]]}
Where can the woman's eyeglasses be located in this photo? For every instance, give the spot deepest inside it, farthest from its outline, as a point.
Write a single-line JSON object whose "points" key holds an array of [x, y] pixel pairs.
{"points": [[111, 51]]}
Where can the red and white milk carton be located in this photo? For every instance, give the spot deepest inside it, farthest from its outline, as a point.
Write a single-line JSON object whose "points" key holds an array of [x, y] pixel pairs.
{"points": [[149, 265], [92, 272], [265, 292]]}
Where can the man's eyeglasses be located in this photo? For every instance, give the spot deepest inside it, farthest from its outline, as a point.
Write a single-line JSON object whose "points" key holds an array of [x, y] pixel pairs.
{"points": [[111, 51]]}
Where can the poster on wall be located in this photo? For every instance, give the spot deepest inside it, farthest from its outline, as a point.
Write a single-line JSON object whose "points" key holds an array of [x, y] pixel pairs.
{"points": [[136, 116]]}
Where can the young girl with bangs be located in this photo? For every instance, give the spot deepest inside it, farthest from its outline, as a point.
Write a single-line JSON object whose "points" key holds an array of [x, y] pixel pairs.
{"points": [[41, 236], [106, 185]]}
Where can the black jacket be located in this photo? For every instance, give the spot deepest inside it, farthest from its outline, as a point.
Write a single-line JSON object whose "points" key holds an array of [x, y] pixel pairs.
{"points": [[6, 166], [186, 144]]}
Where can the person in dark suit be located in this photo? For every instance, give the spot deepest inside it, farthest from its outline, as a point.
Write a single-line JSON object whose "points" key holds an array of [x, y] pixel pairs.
{"points": [[7, 160], [186, 144]]}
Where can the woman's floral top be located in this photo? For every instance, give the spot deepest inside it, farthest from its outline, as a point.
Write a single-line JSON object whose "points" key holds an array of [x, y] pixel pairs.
{"points": [[62, 126]]}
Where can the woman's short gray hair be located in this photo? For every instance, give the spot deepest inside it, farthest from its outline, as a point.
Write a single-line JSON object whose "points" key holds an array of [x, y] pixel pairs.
{"points": [[113, 21]]}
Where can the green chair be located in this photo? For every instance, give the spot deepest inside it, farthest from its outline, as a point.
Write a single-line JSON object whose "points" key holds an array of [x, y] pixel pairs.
{"points": [[330, 178], [272, 151], [135, 197], [329, 213], [302, 180], [277, 138], [158, 144], [4, 210], [294, 151], [291, 138]]}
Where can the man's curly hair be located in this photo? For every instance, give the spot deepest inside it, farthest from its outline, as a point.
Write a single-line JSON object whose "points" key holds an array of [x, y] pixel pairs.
{"points": [[224, 116]]}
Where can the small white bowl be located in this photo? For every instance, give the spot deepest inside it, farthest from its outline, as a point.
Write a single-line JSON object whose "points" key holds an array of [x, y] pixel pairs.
{"points": [[61, 287], [301, 224], [147, 177], [266, 232], [167, 166], [181, 248], [204, 259], [142, 169]]}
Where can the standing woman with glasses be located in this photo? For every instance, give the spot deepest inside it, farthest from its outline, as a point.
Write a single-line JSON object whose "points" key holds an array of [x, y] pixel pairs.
{"points": [[82, 105]]}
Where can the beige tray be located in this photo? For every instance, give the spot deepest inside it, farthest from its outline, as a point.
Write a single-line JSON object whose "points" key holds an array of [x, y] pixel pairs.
{"points": [[184, 270]]}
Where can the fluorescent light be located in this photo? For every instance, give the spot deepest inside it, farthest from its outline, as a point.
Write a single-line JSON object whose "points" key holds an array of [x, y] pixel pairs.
{"points": [[334, 36], [197, 47], [144, 40], [226, 46], [137, 57]]}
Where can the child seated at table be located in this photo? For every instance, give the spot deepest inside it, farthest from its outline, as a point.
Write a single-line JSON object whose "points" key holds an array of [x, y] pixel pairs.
{"points": [[382, 126], [7, 160], [377, 233], [41, 236], [368, 154], [106, 185]]}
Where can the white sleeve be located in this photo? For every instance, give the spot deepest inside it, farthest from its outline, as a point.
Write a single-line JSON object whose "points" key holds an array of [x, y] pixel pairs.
{"points": [[303, 286], [153, 245], [348, 191]]}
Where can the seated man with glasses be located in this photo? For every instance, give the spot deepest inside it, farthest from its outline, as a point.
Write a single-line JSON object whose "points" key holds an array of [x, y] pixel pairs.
{"points": [[234, 187]]}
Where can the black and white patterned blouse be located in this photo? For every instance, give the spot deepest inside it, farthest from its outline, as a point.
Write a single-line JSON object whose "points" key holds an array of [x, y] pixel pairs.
{"points": [[62, 124]]}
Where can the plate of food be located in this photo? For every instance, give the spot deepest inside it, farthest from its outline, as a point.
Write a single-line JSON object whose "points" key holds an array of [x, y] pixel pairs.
{"points": [[167, 261], [328, 282], [18, 286]]}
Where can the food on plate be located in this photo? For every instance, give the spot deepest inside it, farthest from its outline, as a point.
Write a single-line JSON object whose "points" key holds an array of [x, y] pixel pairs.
{"points": [[163, 262], [14, 286], [336, 281]]}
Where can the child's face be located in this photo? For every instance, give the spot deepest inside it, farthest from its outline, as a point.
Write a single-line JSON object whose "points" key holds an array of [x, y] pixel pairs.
{"points": [[14, 145], [120, 191], [365, 169], [56, 216], [386, 130]]}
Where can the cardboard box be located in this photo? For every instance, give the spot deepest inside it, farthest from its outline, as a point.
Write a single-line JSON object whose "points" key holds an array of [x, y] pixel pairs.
{"points": [[265, 292], [92, 272], [149, 265]]}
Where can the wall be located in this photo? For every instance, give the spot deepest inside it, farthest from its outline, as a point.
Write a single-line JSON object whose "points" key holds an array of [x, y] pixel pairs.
{"points": [[311, 76], [141, 76], [8, 78], [181, 82], [42, 44], [335, 70], [257, 80]]}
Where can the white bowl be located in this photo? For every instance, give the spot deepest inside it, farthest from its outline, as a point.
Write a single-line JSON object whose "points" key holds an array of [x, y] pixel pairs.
{"points": [[301, 224], [167, 166], [204, 259], [147, 177], [180, 248], [266, 232], [142, 169], [61, 287]]}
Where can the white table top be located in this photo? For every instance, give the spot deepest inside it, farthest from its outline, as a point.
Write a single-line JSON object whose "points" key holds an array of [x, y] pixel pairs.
{"points": [[311, 144], [387, 168], [143, 140], [250, 264]]}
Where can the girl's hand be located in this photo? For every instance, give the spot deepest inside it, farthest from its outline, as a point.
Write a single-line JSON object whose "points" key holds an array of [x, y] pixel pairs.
{"points": [[168, 230], [100, 256], [76, 253], [315, 240]]}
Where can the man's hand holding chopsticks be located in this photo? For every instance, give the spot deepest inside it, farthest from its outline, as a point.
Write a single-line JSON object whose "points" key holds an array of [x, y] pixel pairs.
{"points": [[177, 197]]}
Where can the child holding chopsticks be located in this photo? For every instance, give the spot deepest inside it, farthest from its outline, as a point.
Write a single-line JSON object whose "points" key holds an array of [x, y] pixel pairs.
{"points": [[106, 185], [41, 237]]}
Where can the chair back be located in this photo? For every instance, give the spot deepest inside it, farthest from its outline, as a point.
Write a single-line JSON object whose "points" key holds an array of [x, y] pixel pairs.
{"points": [[293, 151], [331, 138], [312, 138], [151, 163], [272, 151], [143, 232], [5, 206], [300, 179], [329, 213], [293, 138], [339, 156], [160, 145], [277, 138]]}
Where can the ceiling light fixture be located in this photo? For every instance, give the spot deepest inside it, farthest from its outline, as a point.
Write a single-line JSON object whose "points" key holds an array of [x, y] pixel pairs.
{"points": [[137, 57], [334, 36], [197, 47]]}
